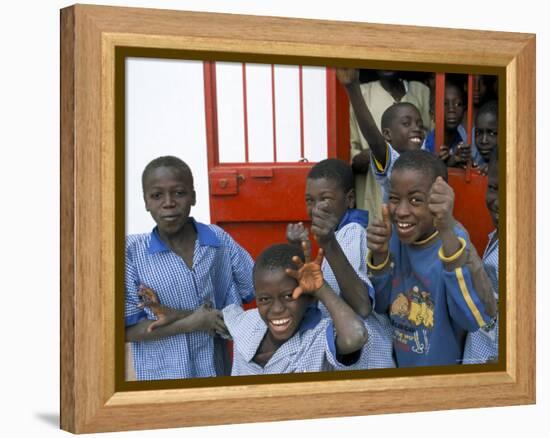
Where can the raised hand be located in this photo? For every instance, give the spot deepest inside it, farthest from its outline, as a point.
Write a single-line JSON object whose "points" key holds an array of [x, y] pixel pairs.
{"points": [[378, 236], [323, 223], [347, 76], [441, 202], [296, 233], [149, 298], [309, 274]]}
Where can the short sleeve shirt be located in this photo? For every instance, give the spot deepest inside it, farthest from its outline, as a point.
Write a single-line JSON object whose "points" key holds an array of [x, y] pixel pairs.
{"points": [[221, 274], [312, 348]]}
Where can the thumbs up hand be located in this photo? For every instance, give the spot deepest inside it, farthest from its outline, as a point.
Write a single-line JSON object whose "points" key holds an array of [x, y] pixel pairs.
{"points": [[440, 203], [378, 236]]}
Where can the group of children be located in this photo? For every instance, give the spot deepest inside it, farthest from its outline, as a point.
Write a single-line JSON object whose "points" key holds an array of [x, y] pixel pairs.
{"points": [[398, 286]]}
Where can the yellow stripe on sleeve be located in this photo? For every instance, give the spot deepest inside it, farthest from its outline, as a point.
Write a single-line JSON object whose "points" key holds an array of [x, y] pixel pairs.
{"points": [[468, 298], [377, 163]]}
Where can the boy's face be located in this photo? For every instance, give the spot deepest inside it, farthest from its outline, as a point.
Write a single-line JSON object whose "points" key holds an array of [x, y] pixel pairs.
{"points": [[281, 313], [406, 131], [330, 193], [486, 134], [454, 107], [408, 205], [168, 194], [491, 197]]}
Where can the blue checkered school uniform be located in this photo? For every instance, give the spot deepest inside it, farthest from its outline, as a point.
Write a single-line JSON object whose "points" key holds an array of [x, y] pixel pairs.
{"points": [[221, 274], [312, 348], [482, 345]]}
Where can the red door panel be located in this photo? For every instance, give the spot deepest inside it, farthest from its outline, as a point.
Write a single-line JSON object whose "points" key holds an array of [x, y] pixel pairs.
{"points": [[470, 209], [258, 214], [254, 202]]}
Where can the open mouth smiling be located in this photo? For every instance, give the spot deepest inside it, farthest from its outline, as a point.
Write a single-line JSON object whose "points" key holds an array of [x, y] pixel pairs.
{"points": [[404, 229], [279, 325]]}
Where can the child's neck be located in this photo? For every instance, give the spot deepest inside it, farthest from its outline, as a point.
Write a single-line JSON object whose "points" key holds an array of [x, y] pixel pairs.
{"points": [[267, 348], [182, 243]]}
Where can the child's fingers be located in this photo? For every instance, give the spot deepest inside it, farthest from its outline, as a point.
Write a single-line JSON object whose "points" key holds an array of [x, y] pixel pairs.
{"points": [[292, 273], [320, 255], [155, 324], [297, 292], [306, 246], [377, 229], [386, 216], [297, 261]]}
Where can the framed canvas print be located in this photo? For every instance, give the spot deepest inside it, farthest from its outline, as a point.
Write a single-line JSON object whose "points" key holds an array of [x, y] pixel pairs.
{"points": [[250, 103]]}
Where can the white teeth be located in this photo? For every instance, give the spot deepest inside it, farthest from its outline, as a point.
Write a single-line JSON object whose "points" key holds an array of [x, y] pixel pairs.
{"points": [[280, 321], [404, 225], [416, 140]]}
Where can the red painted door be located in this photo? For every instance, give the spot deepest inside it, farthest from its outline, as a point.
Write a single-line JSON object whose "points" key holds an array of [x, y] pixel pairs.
{"points": [[254, 200]]}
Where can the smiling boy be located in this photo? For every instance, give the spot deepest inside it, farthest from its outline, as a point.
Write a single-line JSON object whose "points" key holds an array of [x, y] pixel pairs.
{"points": [[194, 268], [287, 334], [426, 274]]}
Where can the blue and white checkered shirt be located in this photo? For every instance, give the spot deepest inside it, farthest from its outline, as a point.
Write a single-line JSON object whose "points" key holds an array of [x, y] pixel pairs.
{"points": [[311, 349], [482, 345], [352, 238], [221, 274]]}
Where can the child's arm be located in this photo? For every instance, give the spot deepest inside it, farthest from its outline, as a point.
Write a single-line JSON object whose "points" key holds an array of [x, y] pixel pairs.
{"points": [[351, 332], [379, 265], [354, 291], [455, 255], [349, 78], [173, 321]]}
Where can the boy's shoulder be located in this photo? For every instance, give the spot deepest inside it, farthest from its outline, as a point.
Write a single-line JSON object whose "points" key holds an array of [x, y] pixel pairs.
{"points": [[138, 240], [216, 232]]}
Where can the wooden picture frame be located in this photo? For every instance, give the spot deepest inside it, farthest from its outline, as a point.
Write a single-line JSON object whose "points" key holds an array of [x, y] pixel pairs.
{"points": [[91, 399]]}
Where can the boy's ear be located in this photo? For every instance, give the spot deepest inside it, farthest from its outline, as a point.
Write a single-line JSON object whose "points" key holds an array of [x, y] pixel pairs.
{"points": [[194, 198], [387, 134], [350, 198], [145, 202]]}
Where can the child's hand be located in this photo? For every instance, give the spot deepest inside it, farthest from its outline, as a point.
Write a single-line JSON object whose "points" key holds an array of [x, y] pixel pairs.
{"points": [[463, 154], [360, 163], [309, 275], [149, 298], [440, 203], [205, 318], [379, 234], [296, 233], [347, 76], [483, 169], [323, 223], [444, 153]]}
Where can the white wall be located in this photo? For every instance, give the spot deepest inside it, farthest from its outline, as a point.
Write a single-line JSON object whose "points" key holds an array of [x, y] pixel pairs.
{"points": [[165, 115], [29, 140]]}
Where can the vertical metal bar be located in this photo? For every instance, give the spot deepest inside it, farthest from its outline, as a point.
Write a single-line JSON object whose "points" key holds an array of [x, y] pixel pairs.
{"points": [[469, 124], [245, 110], [332, 128], [273, 112], [439, 104], [300, 76], [211, 113]]}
